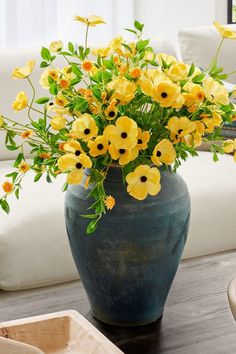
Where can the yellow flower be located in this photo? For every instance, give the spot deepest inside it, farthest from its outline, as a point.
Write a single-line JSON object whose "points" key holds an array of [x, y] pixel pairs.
{"points": [[67, 73], [111, 112], [53, 73], [135, 73], [56, 46], [26, 134], [224, 32], [163, 152], [215, 92], [178, 72], [179, 128], [20, 101], [143, 181], [115, 43], [169, 59], [149, 55], [64, 84], [24, 71], [126, 53], [179, 102], [124, 90], [74, 147], [23, 167], [124, 155], [124, 134], [146, 85], [103, 52], [109, 202], [143, 139], [87, 65], [1, 121], [60, 100], [99, 146], [58, 122], [91, 20], [8, 187], [228, 146], [84, 127], [44, 79], [75, 165], [166, 93]]}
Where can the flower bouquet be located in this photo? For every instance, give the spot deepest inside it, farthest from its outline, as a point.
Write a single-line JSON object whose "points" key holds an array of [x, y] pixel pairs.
{"points": [[122, 104]]}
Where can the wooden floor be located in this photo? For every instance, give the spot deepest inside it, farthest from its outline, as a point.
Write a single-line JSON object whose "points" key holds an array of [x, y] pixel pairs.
{"points": [[197, 319]]}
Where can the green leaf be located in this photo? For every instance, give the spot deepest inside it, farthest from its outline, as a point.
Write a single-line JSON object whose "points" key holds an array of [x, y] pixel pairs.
{"points": [[81, 104], [75, 81], [71, 47], [12, 147], [45, 54], [92, 226], [48, 178], [139, 26], [38, 176], [89, 216], [76, 70], [5, 206], [53, 89], [131, 30], [191, 70], [17, 192], [42, 100], [126, 47], [44, 64], [108, 64], [18, 159], [142, 44], [198, 78]]}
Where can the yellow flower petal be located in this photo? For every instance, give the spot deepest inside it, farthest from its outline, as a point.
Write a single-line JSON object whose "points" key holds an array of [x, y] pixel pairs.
{"points": [[67, 162], [75, 176], [224, 32]]}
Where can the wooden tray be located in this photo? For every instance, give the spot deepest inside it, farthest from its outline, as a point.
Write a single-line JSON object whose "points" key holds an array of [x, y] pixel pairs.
{"points": [[59, 333]]}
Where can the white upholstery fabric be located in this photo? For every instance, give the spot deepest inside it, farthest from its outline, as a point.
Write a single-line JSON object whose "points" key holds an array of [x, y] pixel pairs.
{"points": [[198, 45], [212, 188], [34, 249]]}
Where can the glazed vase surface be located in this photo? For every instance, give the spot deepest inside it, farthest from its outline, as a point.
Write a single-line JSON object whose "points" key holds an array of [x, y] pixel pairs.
{"points": [[128, 264]]}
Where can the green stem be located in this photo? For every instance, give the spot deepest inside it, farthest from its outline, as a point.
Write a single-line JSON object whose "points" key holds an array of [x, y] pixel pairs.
{"points": [[86, 37], [216, 55]]}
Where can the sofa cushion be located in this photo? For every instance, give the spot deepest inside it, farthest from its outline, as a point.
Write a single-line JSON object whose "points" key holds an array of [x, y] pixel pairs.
{"points": [[199, 45], [34, 250]]}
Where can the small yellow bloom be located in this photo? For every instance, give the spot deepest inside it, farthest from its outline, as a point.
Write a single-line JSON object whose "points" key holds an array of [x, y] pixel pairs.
{"points": [[20, 101], [166, 93], [143, 139], [44, 79], [215, 92], [168, 59], [224, 32], [61, 101], [164, 152], [54, 74], [146, 85], [91, 20], [24, 71], [84, 127], [8, 187], [99, 146], [87, 65], [109, 202], [178, 72], [228, 146], [26, 134], [1, 121], [74, 147], [75, 165], [124, 90], [64, 84], [143, 181], [45, 155], [135, 73], [116, 42], [58, 122], [179, 128], [149, 55], [56, 46], [124, 155], [124, 134], [23, 167], [102, 52]]}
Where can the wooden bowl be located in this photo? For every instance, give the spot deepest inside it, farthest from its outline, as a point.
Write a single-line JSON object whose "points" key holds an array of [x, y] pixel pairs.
{"points": [[59, 333], [9, 346]]}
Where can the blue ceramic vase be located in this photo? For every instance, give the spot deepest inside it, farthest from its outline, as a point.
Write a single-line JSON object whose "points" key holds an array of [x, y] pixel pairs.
{"points": [[128, 264]]}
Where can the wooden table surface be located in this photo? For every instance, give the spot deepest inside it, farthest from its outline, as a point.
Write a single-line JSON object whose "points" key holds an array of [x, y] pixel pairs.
{"points": [[197, 318]]}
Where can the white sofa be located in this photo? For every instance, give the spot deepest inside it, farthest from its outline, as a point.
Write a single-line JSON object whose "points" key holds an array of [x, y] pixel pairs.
{"points": [[34, 249]]}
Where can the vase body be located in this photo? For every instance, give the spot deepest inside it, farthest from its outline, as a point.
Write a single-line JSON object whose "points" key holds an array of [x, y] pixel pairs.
{"points": [[128, 264]]}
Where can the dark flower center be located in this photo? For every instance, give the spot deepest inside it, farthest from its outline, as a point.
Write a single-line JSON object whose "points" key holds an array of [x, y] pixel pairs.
{"points": [[180, 131], [77, 153], [124, 135], [122, 151], [111, 114], [140, 141], [78, 165], [51, 104], [164, 95], [158, 153], [100, 146], [86, 131], [143, 179]]}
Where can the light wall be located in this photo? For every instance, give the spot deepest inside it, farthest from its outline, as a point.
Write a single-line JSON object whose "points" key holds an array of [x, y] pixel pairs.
{"points": [[167, 17]]}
